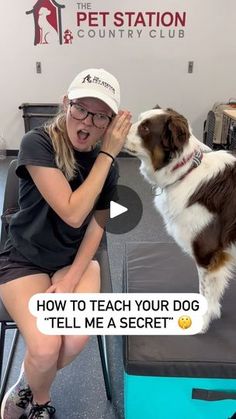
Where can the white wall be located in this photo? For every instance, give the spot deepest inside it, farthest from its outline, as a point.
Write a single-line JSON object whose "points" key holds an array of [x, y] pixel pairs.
{"points": [[150, 70]]}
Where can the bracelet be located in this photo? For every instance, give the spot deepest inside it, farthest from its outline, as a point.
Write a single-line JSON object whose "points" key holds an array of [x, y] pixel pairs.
{"points": [[108, 154]]}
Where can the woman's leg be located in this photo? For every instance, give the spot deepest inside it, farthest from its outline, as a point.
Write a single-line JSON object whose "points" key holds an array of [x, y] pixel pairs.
{"points": [[44, 354], [42, 351], [89, 282]]}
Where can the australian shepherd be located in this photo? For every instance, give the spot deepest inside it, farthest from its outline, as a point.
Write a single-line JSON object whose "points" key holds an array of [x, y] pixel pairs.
{"points": [[195, 194]]}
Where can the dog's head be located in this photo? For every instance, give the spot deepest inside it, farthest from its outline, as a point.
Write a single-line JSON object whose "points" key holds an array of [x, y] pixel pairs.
{"points": [[159, 135]]}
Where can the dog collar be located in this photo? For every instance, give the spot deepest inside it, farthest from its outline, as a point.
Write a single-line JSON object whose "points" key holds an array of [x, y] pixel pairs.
{"points": [[195, 155], [196, 161], [182, 162]]}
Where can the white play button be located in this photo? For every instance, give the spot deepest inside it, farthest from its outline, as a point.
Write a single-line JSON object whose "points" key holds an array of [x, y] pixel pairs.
{"points": [[116, 209], [123, 218]]}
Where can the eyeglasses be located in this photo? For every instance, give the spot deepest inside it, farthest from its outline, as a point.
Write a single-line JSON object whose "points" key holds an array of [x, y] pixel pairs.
{"points": [[100, 120]]}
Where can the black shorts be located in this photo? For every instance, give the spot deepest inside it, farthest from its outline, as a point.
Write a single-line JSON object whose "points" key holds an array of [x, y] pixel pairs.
{"points": [[13, 265]]}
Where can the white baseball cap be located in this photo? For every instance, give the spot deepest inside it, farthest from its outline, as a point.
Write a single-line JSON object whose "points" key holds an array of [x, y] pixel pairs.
{"points": [[97, 83]]}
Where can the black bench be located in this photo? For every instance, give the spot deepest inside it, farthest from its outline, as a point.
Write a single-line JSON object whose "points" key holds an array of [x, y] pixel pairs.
{"points": [[181, 377]]}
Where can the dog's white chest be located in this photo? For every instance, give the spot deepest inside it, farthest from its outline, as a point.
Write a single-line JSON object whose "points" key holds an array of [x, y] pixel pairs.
{"points": [[182, 222]]}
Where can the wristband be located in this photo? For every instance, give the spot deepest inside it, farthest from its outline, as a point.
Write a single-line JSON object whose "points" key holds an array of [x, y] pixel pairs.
{"points": [[108, 154]]}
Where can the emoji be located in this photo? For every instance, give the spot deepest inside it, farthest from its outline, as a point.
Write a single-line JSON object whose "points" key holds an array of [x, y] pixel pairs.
{"points": [[184, 322]]}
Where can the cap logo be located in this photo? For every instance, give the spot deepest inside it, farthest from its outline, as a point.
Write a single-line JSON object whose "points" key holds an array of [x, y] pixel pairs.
{"points": [[97, 80]]}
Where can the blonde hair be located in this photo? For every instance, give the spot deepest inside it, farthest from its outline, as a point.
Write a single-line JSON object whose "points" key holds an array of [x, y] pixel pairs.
{"points": [[64, 156]]}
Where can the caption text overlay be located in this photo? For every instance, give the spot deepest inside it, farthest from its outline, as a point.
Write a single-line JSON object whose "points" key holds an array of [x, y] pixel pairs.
{"points": [[119, 314]]}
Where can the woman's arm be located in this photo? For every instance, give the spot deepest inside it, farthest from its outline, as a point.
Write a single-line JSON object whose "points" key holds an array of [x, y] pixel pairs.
{"points": [[73, 207], [84, 255]]}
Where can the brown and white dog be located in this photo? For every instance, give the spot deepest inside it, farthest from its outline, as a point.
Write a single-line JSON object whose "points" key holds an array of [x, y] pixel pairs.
{"points": [[196, 196]]}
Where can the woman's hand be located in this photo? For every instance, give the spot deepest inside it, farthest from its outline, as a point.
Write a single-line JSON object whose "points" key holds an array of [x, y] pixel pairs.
{"points": [[62, 286], [116, 133]]}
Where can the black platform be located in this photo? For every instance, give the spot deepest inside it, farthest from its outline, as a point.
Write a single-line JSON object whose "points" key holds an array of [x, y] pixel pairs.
{"points": [[163, 267]]}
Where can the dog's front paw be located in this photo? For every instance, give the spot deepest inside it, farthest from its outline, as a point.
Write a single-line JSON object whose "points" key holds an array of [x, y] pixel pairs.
{"points": [[209, 316], [205, 324], [216, 312]]}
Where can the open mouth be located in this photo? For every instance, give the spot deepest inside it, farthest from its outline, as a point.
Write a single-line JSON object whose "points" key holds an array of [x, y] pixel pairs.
{"points": [[82, 135]]}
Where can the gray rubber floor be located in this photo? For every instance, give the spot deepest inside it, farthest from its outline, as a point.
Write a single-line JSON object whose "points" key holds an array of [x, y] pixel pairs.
{"points": [[78, 391]]}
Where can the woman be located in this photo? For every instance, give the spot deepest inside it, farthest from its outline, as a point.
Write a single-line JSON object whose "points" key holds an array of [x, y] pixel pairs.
{"points": [[66, 184]]}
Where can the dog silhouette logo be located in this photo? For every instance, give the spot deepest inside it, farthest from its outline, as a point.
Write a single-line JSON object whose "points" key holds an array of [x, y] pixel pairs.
{"points": [[48, 23]]}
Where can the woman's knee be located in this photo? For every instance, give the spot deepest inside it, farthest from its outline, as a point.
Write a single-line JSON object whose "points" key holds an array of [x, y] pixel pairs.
{"points": [[90, 281], [73, 345], [44, 352], [95, 267], [95, 273]]}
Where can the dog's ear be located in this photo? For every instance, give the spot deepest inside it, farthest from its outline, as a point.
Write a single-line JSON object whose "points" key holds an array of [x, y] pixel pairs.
{"points": [[176, 131], [156, 107]]}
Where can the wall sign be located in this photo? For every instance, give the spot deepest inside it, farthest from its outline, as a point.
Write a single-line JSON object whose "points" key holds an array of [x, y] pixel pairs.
{"points": [[51, 27]]}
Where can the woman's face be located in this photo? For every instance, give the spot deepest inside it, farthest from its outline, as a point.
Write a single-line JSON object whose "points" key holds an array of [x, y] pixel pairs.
{"points": [[82, 133]]}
